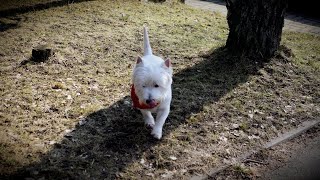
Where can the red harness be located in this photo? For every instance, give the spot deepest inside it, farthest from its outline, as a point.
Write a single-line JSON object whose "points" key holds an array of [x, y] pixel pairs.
{"points": [[135, 100]]}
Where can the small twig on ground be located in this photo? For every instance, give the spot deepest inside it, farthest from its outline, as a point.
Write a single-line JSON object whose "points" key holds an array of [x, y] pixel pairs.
{"points": [[255, 161]]}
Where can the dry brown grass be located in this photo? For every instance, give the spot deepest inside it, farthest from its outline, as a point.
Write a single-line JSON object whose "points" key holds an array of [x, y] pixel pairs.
{"points": [[71, 116]]}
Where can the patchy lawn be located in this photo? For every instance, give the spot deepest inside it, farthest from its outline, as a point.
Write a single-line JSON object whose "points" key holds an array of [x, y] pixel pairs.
{"points": [[71, 116]]}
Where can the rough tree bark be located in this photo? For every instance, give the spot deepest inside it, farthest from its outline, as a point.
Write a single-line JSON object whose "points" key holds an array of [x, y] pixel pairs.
{"points": [[255, 26]]}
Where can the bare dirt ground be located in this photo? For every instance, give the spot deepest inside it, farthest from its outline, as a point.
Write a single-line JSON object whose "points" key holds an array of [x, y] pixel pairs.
{"points": [[71, 117], [298, 158]]}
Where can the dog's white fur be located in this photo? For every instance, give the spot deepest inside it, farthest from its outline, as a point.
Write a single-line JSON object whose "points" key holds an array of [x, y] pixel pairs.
{"points": [[152, 79]]}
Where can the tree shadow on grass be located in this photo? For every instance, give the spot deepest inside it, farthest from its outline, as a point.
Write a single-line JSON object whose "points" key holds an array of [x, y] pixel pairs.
{"points": [[5, 26], [37, 7], [115, 137], [13, 12]]}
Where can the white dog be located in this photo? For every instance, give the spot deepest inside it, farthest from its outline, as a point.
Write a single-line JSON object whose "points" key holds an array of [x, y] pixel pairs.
{"points": [[151, 88]]}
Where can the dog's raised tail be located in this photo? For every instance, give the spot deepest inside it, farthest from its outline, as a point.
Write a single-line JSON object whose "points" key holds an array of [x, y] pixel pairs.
{"points": [[146, 43]]}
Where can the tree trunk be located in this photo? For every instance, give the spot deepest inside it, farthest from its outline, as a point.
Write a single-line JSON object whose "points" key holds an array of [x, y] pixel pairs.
{"points": [[255, 26]]}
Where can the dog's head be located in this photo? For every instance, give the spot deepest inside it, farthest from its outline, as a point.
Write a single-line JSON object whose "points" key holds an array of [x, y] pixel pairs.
{"points": [[152, 79]]}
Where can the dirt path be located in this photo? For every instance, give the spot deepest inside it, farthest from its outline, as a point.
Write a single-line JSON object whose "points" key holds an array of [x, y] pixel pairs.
{"points": [[301, 158], [293, 22], [298, 158]]}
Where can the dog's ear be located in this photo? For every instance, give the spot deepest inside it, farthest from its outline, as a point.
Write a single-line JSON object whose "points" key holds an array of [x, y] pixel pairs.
{"points": [[139, 60], [167, 63]]}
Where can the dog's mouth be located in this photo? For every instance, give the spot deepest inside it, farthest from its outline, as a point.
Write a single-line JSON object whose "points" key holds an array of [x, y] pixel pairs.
{"points": [[152, 104]]}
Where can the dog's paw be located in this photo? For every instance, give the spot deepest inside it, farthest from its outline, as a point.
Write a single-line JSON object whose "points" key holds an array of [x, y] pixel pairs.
{"points": [[150, 125], [156, 133]]}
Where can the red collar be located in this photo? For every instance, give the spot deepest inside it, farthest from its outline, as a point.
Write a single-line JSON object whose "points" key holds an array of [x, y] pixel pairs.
{"points": [[135, 100]]}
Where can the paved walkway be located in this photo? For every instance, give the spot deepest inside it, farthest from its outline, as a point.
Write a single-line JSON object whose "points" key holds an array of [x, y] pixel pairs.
{"points": [[292, 22], [304, 158]]}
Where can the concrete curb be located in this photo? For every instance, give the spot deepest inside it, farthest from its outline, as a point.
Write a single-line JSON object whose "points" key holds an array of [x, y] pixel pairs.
{"points": [[274, 142]]}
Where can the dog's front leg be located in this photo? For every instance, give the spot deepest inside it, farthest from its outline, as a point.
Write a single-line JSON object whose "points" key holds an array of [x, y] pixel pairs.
{"points": [[162, 115], [148, 118]]}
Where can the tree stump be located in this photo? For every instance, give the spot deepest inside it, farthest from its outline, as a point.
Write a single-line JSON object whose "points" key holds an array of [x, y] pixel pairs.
{"points": [[41, 53]]}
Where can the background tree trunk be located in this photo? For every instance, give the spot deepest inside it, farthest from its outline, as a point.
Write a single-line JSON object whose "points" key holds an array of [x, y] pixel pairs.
{"points": [[255, 26]]}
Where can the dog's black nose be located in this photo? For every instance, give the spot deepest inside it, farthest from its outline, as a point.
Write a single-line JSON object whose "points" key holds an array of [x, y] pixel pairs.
{"points": [[148, 101]]}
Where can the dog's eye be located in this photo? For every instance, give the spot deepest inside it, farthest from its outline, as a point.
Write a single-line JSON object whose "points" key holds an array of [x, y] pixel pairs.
{"points": [[156, 85], [143, 86]]}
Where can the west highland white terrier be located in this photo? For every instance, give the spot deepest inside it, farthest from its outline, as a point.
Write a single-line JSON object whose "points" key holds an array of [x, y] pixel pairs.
{"points": [[151, 88]]}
